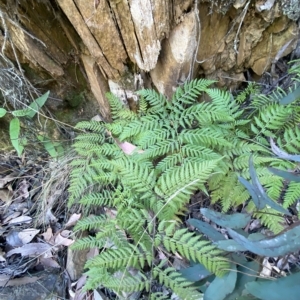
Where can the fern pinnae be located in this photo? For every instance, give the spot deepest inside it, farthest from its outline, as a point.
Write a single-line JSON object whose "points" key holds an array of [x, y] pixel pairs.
{"points": [[292, 194], [88, 242]]}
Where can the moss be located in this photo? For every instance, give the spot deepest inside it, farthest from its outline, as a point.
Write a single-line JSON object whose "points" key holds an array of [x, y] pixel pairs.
{"points": [[74, 99], [291, 8]]}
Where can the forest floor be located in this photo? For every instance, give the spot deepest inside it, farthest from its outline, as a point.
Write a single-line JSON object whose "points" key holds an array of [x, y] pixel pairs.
{"points": [[36, 261]]}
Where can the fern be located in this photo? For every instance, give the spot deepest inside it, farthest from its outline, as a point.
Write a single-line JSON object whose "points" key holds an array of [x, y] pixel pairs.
{"points": [[183, 146], [292, 194], [172, 279]]}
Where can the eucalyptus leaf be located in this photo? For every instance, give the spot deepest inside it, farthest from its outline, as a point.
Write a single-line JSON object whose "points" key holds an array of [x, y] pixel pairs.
{"points": [[195, 273], [291, 97], [282, 288], [37, 104], [222, 286], [245, 274], [207, 229], [3, 112], [290, 176], [14, 133], [234, 221], [230, 246], [279, 245], [259, 197], [282, 154], [251, 191]]}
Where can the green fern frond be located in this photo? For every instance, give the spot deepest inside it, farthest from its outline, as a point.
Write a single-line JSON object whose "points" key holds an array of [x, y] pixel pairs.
{"points": [[119, 281], [145, 123], [161, 148], [174, 280], [272, 118], [205, 137], [290, 141], [120, 258], [194, 247], [88, 242], [183, 181], [268, 217], [99, 199], [95, 138], [158, 103], [118, 110], [142, 106], [225, 101], [93, 126], [169, 162], [136, 176], [188, 93], [91, 222], [150, 137], [203, 113], [251, 90], [292, 194]]}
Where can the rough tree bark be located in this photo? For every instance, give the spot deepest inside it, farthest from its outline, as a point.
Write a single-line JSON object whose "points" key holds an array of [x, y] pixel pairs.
{"points": [[71, 47]]}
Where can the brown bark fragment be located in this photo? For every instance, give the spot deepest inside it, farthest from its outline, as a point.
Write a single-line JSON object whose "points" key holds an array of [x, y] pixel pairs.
{"points": [[105, 32], [98, 84], [175, 61], [33, 51], [76, 19]]}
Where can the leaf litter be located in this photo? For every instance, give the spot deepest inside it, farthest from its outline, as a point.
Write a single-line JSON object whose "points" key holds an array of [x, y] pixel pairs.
{"points": [[36, 228]]}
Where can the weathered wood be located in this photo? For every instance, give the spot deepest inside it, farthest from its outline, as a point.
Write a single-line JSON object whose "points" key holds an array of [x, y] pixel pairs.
{"points": [[111, 43]]}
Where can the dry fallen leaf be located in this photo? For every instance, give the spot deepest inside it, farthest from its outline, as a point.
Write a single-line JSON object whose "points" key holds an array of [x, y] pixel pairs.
{"points": [[73, 220], [32, 249], [19, 281], [6, 195], [28, 234], [13, 239], [23, 189], [60, 240], [48, 234], [128, 148], [21, 219], [49, 262], [10, 217], [5, 180]]}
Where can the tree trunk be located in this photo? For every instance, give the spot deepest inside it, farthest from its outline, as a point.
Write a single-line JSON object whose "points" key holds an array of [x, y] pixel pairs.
{"points": [[74, 47]]}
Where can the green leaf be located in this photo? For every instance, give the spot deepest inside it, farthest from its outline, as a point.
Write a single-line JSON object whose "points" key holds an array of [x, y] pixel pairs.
{"points": [[283, 288], [290, 176], [21, 112], [53, 148], [251, 191], [233, 246], [245, 274], [37, 104], [282, 154], [206, 229], [259, 197], [291, 97], [195, 273], [234, 221], [279, 245], [222, 286], [3, 112], [230, 246], [14, 133]]}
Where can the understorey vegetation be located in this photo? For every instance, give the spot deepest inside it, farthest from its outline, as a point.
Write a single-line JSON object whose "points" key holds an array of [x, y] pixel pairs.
{"points": [[138, 174]]}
